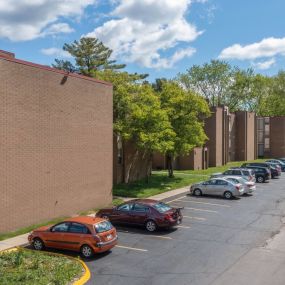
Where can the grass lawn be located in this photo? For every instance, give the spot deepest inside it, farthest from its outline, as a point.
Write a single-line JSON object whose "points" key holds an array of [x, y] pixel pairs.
{"points": [[28, 267], [160, 183]]}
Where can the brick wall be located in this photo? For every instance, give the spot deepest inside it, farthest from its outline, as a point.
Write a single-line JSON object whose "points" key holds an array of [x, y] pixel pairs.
{"points": [[277, 137], [56, 144]]}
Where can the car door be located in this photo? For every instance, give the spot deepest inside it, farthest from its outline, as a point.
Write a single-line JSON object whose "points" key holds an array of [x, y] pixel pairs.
{"points": [[139, 214], [221, 187], [122, 214], [56, 237], [211, 187], [75, 235]]}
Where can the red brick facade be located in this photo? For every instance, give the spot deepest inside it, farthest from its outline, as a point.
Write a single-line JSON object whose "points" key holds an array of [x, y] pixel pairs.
{"points": [[56, 143]]}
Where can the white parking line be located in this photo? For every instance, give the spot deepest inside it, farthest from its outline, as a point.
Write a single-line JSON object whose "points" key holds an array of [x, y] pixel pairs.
{"points": [[183, 227], [202, 210], [175, 199], [161, 237], [206, 203], [194, 218], [131, 248]]}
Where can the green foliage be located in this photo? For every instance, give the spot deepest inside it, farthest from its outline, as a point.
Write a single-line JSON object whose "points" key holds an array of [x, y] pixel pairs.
{"points": [[186, 111], [30, 267], [90, 56], [211, 80], [64, 65]]}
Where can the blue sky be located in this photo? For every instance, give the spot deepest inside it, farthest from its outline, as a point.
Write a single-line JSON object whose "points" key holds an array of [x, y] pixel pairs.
{"points": [[158, 37]]}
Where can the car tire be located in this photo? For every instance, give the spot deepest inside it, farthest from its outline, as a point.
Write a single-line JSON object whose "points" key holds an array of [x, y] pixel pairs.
{"points": [[197, 192], [260, 179], [38, 244], [228, 195], [150, 226], [86, 251]]}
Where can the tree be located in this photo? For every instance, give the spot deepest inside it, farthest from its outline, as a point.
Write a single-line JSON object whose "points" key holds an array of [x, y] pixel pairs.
{"points": [[64, 65], [211, 80], [90, 55], [138, 116], [186, 113]]}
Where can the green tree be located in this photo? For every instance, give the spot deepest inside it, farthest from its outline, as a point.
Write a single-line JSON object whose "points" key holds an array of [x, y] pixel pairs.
{"points": [[211, 80], [186, 113], [90, 55], [64, 65], [138, 116]]}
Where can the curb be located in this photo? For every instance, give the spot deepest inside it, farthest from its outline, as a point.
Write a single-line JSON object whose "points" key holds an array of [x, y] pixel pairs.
{"points": [[81, 281]]}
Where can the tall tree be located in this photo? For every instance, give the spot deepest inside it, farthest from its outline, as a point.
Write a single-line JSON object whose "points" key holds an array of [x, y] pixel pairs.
{"points": [[90, 55], [211, 80], [186, 113]]}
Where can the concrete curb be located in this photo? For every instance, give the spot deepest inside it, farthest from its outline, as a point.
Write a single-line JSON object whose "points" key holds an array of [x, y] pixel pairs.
{"points": [[81, 281]]}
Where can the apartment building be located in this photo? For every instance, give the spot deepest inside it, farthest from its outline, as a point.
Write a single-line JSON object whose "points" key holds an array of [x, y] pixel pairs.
{"points": [[56, 139]]}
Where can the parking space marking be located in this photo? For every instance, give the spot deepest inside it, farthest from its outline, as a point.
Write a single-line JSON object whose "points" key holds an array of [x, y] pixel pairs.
{"points": [[160, 237], [206, 203], [175, 199], [131, 248], [198, 209], [183, 227], [195, 218]]}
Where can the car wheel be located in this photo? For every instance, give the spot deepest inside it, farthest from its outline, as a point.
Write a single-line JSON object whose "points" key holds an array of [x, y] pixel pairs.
{"points": [[197, 192], [150, 226], [228, 195], [38, 244], [260, 179], [86, 251]]}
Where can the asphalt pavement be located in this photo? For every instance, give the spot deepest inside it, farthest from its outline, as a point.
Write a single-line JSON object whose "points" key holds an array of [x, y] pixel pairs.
{"points": [[219, 242]]}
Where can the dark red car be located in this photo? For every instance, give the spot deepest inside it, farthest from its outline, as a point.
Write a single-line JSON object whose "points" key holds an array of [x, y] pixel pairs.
{"points": [[151, 214]]}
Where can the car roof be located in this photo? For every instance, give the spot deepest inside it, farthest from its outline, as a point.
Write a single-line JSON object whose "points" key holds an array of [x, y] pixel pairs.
{"points": [[85, 220]]}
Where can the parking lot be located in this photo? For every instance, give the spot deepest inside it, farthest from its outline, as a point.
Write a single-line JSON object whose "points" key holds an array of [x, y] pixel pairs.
{"points": [[214, 235]]}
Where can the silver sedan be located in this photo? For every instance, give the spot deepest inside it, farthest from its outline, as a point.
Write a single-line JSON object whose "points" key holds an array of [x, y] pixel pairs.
{"points": [[249, 186], [217, 186]]}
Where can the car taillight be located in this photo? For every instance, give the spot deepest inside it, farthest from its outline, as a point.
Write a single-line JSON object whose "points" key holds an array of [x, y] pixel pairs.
{"points": [[237, 187], [168, 217], [97, 238]]}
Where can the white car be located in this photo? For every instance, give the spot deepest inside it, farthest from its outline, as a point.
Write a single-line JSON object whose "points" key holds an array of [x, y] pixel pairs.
{"points": [[249, 186]]}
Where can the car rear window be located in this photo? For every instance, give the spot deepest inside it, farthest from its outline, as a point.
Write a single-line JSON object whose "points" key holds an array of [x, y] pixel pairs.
{"points": [[103, 227], [162, 207]]}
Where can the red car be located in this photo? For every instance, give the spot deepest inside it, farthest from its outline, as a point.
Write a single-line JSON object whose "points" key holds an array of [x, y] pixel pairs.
{"points": [[87, 235], [151, 214]]}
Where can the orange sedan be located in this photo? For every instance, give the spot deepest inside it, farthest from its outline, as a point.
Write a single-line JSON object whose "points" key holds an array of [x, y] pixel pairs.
{"points": [[86, 235]]}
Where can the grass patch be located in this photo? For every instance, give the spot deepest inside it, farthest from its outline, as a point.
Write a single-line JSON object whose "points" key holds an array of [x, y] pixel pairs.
{"points": [[27, 267], [29, 228], [159, 182]]}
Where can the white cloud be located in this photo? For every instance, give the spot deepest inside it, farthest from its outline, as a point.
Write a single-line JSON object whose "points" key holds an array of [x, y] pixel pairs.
{"points": [[268, 47], [263, 65], [144, 29], [29, 19], [55, 52]]}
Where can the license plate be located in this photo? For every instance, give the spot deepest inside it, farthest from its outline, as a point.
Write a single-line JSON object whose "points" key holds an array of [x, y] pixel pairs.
{"points": [[109, 237]]}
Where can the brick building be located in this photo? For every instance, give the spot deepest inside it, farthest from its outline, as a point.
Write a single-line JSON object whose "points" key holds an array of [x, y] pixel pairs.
{"points": [[56, 139]]}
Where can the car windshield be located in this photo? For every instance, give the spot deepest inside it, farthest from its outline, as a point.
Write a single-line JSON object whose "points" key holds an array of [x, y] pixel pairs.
{"points": [[161, 207], [103, 227]]}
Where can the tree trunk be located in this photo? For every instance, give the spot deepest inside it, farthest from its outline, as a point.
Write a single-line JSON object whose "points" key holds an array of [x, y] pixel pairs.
{"points": [[169, 163]]}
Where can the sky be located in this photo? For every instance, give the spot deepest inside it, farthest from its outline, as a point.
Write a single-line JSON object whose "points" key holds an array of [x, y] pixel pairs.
{"points": [[158, 37]]}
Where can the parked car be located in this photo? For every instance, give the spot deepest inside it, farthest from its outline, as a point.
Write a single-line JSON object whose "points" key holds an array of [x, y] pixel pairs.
{"points": [[149, 213], [275, 171], [262, 174], [249, 186], [279, 162], [87, 235], [247, 174], [217, 186]]}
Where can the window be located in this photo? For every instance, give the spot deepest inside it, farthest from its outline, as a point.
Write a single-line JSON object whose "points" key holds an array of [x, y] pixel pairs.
{"points": [[61, 228], [125, 207], [221, 182], [266, 143], [140, 208], [162, 207], [236, 172], [78, 228], [103, 227], [228, 172], [212, 182], [233, 180]]}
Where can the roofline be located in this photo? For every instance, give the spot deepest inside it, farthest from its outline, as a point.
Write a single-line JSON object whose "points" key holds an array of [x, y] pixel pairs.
{"points": [[50, 69]]}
